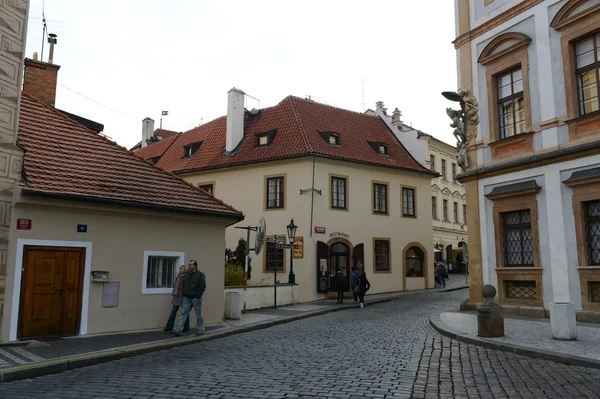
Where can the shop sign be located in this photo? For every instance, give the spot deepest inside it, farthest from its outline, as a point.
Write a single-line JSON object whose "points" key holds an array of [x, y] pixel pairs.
{"points": [[298, 247], [338, 234], [23, 224], [320, 230]]}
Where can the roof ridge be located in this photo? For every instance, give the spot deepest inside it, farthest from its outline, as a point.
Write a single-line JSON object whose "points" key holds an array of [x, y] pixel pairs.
{"points": [[325, 105], [302, 128], [126, 151]]}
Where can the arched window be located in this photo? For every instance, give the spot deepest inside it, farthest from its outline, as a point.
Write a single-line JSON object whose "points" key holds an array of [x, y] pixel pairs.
{"points": [[414, 262]]}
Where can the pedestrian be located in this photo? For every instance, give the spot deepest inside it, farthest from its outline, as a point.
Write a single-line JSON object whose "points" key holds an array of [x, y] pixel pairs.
{"points": [[355, 280], [340, 280], [193, 286], [364, 286], [442, 275], [177, 301]]}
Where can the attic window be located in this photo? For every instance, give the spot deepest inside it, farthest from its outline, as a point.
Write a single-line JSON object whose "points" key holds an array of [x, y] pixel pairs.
{"points": [[379, 148], [265, 139], [331, 138], [191, 149]]}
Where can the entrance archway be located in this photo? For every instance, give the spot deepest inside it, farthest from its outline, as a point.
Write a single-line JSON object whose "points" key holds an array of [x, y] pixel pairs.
{"points": [[339, 257]]}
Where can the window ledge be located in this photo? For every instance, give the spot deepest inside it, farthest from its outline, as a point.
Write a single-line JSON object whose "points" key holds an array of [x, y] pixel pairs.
{"points": [[513, 146], [583, 126], [157, 291], [382, 271], [590, 268], [519, 270], [410, 216]]}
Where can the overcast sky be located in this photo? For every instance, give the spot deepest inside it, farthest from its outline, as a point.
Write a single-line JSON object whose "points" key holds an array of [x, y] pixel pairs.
{"points": [[139, 57]]}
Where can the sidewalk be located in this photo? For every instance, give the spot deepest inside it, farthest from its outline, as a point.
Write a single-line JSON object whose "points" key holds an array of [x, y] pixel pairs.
{"points": [[526, 336], [31, 359]]}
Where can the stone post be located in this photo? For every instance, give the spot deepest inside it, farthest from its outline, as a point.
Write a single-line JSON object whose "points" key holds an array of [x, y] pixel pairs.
{"points": [[490, 322]]}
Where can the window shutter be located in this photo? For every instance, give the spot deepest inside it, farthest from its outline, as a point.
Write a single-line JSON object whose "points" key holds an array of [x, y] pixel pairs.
{"points": [[322, 281]]}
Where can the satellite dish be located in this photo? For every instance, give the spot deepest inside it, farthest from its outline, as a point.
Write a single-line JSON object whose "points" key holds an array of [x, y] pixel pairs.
{"points": [[261, 233]]}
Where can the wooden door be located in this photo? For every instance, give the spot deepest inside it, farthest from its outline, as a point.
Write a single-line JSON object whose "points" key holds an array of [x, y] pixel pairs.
{"points": [[51, 292]]}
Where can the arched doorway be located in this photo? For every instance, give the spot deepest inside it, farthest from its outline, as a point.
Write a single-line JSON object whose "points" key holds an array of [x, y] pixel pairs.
{"points": [[414, 262], [339, 257], [414, 259]]}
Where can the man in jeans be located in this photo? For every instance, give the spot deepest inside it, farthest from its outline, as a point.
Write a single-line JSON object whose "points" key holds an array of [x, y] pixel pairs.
{"points": [[193, 285]]}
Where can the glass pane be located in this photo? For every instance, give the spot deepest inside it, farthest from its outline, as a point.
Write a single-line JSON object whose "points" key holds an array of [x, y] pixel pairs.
{"points": [[517, 75], [518, 86], [584, 51], [504, 91], [504, 80], [519, 105], [589, 106]]}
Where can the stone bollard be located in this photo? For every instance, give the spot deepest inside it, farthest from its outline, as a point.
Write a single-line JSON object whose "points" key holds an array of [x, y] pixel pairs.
{"points": [[490, 322]]}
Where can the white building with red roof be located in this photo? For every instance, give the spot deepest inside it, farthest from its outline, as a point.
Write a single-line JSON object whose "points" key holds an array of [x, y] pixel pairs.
{"points": [[358, 197]]}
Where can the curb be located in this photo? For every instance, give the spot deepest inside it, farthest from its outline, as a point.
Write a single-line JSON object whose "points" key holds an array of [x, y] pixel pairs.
{"points": [[462, 287], [441, 327], [54, 366]]}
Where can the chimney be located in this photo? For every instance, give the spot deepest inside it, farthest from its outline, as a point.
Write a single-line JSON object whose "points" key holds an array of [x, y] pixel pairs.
{"points": [[40, 80], [380, 110], [52, 40], [147, 130], [397, 118], [235, 118]]}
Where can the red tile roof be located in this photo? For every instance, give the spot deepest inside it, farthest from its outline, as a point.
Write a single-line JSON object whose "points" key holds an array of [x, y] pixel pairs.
{"points": [[298, 124], [157, 149], [162, 133], [67, 160]]}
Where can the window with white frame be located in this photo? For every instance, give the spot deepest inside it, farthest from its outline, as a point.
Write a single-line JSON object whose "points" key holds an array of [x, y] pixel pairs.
{"points": [[160, 269]]}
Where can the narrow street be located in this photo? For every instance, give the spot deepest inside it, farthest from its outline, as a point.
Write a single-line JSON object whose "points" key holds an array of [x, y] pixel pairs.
{"points": [[382, 351]]}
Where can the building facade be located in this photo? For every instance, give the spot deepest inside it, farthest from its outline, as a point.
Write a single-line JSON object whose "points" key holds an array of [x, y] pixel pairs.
{"points": [[532, 185], [356, 194]]}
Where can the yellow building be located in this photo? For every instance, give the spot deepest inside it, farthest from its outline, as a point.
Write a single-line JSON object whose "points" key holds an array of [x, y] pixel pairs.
{"points": [[356, 194]]}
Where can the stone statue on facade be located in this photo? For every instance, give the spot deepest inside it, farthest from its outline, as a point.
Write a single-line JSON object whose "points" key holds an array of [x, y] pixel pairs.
{"points": [[464, 122]]}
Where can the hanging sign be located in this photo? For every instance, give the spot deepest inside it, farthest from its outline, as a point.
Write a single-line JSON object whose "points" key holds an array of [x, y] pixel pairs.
{"points": [[298, 247]]}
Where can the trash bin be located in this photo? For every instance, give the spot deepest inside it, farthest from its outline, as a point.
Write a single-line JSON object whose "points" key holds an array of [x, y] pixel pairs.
{"points": [[233, 308]]}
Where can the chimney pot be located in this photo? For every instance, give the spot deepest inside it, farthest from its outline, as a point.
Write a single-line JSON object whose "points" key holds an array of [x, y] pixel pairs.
{"points": [[397, 118], [52, 40], [235, 118], [35, 56]]}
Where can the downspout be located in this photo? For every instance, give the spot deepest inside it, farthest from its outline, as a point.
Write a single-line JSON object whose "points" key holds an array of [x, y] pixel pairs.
{"points": [[312, 197]]}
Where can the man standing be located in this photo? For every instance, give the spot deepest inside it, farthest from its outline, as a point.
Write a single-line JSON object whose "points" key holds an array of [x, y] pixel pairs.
{"points": [[355, 277], [193, 286]]}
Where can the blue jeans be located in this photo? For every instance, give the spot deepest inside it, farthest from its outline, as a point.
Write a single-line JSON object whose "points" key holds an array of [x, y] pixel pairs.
{"points": [[188, 303], [171, 320]]}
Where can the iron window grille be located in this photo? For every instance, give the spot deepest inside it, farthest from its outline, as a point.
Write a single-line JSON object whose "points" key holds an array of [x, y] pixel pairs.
{"points": [[161, 271], [338, 192], [517, 238], [380, 198], [592, 232], [517, 289], [275, 257], [382, 255], [594, 291], [511, 103], [408, 202], [275, 187]]}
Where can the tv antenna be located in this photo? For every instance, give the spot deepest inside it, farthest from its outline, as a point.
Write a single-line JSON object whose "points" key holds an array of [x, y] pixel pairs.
{"points": [[363, 94], [44, 28]]}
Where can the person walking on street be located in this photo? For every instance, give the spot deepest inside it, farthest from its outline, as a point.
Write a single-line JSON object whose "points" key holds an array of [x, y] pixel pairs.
{"points": [[193, 285], [340, 280], [355, 280], [364, 286], [442, 275], [177, 301]]}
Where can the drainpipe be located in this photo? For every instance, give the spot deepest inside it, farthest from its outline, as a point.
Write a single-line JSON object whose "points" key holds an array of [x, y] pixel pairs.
{"points": [[312, 197]]}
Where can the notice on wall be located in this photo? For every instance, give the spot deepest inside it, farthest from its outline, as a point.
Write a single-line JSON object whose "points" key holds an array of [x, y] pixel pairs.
{"points": [[110, 295], [298, 247], [323, 266]]}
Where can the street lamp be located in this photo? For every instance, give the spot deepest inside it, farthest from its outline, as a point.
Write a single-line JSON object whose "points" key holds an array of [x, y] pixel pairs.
{"points": [[291, 230]]}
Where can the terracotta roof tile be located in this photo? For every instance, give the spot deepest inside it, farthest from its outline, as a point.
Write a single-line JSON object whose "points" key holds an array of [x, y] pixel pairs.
{"points": [[298, 124], [65, 159]]}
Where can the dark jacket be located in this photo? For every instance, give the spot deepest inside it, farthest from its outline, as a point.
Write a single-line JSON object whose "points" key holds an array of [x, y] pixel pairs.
{"points": [[364, 284], [193, 284]]}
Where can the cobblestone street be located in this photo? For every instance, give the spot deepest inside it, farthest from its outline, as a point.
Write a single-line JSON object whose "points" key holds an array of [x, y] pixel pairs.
{"points": [[382, 351]]}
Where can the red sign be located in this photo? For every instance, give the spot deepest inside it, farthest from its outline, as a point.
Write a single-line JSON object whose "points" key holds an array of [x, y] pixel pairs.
{"points": [[320, 230], [23, 224]]}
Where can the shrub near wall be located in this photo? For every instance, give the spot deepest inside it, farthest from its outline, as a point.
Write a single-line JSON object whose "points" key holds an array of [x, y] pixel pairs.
{"points": [[234, 275]]}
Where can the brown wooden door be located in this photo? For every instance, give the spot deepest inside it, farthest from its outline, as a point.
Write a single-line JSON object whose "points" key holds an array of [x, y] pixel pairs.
{"points": [[51, 292]]}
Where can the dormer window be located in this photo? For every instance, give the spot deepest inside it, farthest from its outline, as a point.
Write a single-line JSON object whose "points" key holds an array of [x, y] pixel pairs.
{"points": [[331, 138], [191, 149], [265, 139], [379, 148]]}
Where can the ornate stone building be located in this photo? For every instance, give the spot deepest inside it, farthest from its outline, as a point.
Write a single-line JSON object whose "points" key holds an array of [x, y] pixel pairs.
{"points": [[534, 163]]}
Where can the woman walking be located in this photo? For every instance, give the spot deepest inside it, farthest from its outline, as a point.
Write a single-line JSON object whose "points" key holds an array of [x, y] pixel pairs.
{"points": [[177, 301], [364, 286]]}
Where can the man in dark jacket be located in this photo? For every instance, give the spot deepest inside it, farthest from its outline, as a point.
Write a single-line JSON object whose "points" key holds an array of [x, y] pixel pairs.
{"points": [[193, 286]]}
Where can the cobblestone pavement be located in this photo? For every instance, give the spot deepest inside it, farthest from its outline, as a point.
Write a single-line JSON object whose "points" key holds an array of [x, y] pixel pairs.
{"points": [[382, 351]]}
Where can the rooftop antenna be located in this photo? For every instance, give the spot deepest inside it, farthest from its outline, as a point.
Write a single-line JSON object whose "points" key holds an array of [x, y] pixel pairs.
{"points": [[363, 93], [44, 29], [248, 95], [164, 113]]}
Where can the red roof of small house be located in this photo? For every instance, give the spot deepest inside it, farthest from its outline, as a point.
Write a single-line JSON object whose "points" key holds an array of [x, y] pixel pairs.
{"points": [[299, 128], [158, 136], [157, 149], [64, 159]]}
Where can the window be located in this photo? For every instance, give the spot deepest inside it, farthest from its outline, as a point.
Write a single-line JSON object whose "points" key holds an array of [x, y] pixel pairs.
{"points": [[511, 103], [587, 64], [414, 258], [274, 257], [432, 162], [453, 172], [517, 239], [275, 192], [379, 148], [444, 169], [263, 140], [380, 198], [338, 192], [434, 208], [445, 210], [408, 202], [187, 151], [160, 269], [191, 149], [209, 188], [382, 255], [592, 232], [456, 212], [464, 214], [383, 149], [334, 139]]}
